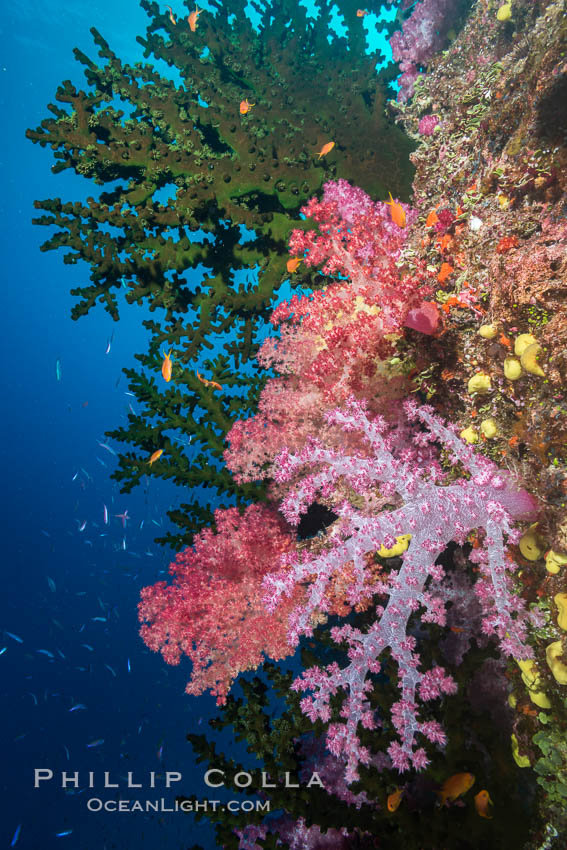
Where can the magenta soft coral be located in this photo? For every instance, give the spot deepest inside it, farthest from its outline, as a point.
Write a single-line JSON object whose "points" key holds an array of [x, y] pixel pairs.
{"points": [[334, 344], [355, 236], [423, 34], [213, 611], [435, 513], [336, 336]]}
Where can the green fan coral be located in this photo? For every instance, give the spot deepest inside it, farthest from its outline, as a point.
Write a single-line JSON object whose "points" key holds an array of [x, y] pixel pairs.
{"points": [[234, 185]]}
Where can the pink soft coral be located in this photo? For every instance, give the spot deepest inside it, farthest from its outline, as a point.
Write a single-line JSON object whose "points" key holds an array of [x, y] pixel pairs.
{"points": [[423, 34], [213, 611], [435, 513], [335, 343]]}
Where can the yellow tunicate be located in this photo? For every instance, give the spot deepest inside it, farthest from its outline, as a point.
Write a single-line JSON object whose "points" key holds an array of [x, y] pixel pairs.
{"points": [[489, 428], [470, 435], [522, 342], [529, 360], [553, 653], [532, 679], [512, 368], [400, 546], [521, 761], [560, 600], [539, 699], [488, 331], [530, 674], [479, 383], [504, 13], [530, 546], [512, 701], [554, 561]]}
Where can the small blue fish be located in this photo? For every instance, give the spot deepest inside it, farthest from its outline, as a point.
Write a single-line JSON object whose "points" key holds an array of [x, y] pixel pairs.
{"points": [[96, 743], [108, 667], [98, 619], [33, 696], [75, 476], [88, 646], [83, 525], [16, 835], [58, 369], [45, 652], [129, 668], [107, 447], [77, 707], [62, 834], [66, 752], [14, 637], [3, 650], [51, 584]]}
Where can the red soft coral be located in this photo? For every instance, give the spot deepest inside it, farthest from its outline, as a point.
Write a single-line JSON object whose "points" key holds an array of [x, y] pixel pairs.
{"points": [[213, 612]]}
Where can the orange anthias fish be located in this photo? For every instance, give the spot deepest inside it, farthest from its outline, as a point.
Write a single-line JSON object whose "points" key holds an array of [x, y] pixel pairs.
{"points": [[292, 264], [208, 383], [155, 456], [326, 148], [482, 802], [455, 786], [166, 366], [395, 799], [192, 19], [171, 15], [397, 212], [431, 219], [245, 106], [360, 13]]}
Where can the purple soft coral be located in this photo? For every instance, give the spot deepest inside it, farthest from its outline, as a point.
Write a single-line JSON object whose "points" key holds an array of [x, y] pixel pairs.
{"points": [[422, 36], [435, 513]]}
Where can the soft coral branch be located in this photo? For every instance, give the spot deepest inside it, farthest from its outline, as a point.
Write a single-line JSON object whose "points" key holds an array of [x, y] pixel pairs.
{"points": [[213, 611], [435, 513]]}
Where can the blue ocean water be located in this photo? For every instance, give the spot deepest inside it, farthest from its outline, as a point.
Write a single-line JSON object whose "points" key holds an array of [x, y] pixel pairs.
{"points": [[71, 581]]}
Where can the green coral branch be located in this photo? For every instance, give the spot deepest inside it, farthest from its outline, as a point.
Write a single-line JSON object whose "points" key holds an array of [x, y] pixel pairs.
{"points": [[201, 416], [134, 132]]}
